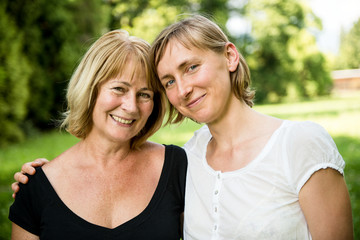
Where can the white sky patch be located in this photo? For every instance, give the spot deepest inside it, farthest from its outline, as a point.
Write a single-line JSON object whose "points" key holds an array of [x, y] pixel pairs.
{"points": [[238, 25], [335, 15]]}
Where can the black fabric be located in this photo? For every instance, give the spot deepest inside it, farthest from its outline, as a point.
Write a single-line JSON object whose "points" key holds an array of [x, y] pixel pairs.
{"points": [[38, 209]]}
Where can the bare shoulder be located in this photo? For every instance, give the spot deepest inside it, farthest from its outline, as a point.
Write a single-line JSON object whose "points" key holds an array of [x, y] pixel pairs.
{"points": [[154, 154], [52, 166], [56, 166], [152, 148], [153, 151]]}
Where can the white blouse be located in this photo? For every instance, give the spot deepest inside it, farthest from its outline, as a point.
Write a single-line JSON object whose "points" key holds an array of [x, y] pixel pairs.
{"points": [[259, 201]]}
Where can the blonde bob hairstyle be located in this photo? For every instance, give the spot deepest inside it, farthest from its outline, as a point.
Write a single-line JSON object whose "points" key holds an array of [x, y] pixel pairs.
{"points": [[200, 32], [107, 59]]}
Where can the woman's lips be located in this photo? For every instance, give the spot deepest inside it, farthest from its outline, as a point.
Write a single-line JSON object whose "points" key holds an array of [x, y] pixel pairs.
{"points": [[122, 120], [195, 102]]}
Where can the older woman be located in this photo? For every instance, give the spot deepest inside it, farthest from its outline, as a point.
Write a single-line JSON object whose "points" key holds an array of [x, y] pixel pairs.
{"points": [[113, 184]]}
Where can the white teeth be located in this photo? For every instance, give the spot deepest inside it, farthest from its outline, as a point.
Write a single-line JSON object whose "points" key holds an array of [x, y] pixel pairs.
{"points": [[121, 120]]}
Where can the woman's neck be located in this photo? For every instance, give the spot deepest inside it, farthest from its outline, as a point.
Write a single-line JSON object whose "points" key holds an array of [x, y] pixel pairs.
{"points": [[239, 124], [233, 123], [102, 152]]}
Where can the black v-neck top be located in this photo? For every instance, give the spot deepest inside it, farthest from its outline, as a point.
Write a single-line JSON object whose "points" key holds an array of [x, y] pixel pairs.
{"points": [[39, 210]]}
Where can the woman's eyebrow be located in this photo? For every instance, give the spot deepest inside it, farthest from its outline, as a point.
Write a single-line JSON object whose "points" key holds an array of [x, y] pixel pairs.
{"points": [[180, 66]]}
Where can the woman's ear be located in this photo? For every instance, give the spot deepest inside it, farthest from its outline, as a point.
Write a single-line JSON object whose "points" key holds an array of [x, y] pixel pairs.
{"points": [[232, 56]]}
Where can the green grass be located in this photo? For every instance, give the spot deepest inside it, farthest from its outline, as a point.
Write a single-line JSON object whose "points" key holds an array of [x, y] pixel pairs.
{"points": [[340, 115], [47, 145]]}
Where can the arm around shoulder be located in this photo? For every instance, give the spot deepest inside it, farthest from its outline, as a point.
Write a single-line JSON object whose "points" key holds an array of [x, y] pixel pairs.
{"points": [[325, 202], [28, 168]]}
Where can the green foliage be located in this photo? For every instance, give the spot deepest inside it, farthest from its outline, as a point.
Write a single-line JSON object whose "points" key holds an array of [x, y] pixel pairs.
{"points": [[146, 19], [38, 21], [52, 48], [283, 53], [123, 12], [14, 81], [311, 74], [349, 52], [41, 42], [151, 21], [52, 35]]}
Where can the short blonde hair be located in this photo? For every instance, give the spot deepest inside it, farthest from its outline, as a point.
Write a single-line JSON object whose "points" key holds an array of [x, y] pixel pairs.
{"points": [[200, 32], [104, 60]]}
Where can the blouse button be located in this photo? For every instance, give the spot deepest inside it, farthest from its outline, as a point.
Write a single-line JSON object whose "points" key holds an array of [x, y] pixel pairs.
{"points": [[216, 192]]}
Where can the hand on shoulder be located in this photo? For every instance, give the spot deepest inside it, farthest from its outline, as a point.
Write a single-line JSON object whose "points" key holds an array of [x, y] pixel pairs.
{"points": [[27, 168]]}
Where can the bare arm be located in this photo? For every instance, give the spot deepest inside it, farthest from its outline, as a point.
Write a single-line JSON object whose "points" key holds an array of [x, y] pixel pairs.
{"points": [[28, 168], [19, 233], [325, 202]]}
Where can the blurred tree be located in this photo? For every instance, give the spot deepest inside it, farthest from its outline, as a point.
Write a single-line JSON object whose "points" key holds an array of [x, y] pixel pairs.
{"points": [[150, 20], [123, 12], [349, 52], [146, 19], [14, 80], [310, 69], [282, 53], [41, 42], [54, 33]]}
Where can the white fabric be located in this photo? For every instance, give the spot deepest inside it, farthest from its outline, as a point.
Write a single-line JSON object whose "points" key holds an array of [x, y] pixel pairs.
{"points": [[259, 201]]}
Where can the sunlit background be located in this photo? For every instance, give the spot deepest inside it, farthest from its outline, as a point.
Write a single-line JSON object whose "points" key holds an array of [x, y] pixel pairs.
{"points": [[292, 47], [304, 57], [337, 17]]}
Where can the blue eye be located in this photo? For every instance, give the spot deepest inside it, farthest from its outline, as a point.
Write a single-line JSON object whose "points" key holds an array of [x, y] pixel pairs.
{"points": [[193, 67], [169, 83]]}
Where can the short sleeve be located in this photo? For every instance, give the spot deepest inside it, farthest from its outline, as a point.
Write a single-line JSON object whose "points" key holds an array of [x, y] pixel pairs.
{"points": [[24, 210], [309, 149]]}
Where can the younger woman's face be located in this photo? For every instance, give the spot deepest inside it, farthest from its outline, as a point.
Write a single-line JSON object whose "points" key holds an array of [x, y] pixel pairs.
{"points": [[196, 81]]}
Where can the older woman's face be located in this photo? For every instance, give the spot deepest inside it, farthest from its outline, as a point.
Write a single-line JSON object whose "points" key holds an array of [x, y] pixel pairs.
{"points": [[123, 106]]}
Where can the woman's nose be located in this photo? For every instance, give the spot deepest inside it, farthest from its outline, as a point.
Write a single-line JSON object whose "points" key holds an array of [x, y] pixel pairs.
{"points": [[184, 89], [130, 103]]}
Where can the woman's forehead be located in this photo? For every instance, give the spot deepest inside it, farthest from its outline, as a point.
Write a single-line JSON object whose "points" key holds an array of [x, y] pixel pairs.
{"points": [[175, 45]]}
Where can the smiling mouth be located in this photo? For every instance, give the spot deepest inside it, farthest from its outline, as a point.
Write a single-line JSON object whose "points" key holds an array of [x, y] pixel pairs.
{"points": [[122, 120], [195, 101]]}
